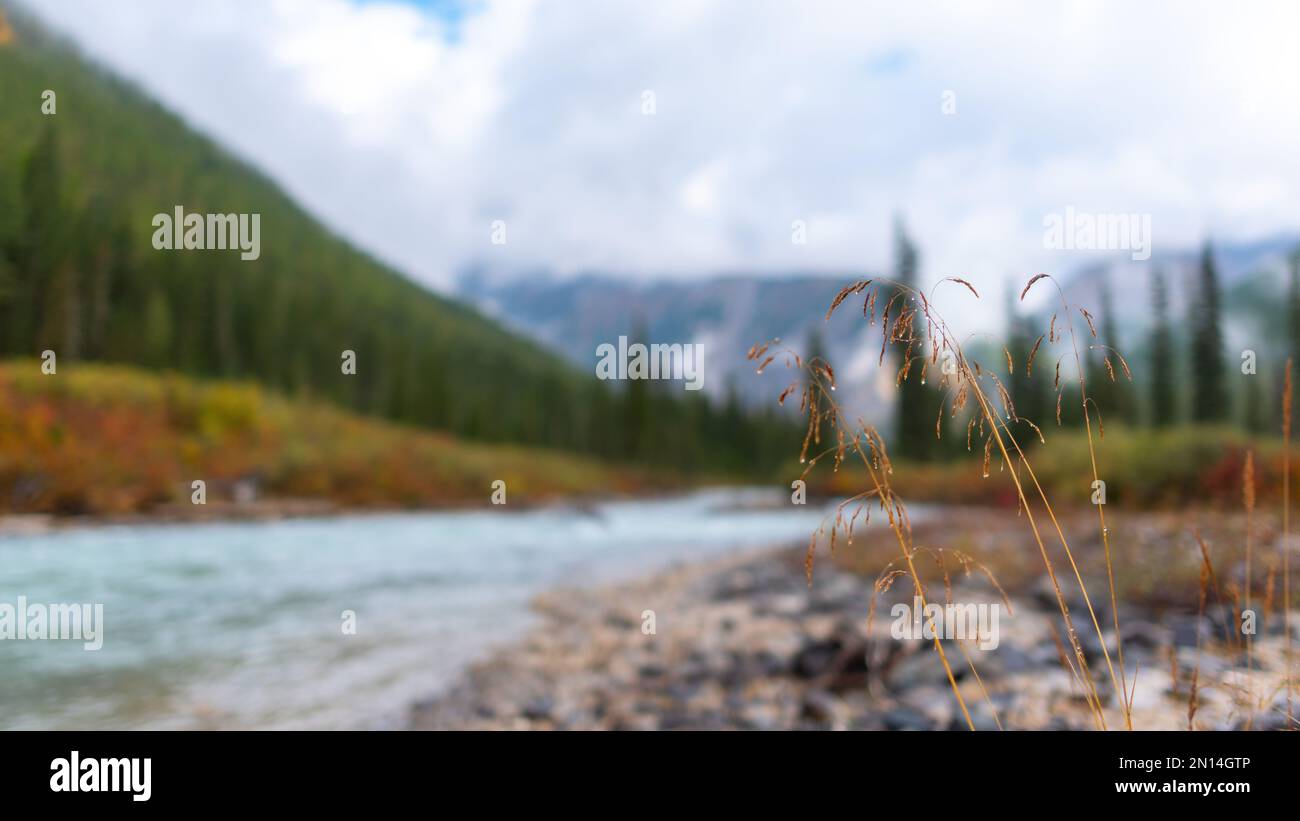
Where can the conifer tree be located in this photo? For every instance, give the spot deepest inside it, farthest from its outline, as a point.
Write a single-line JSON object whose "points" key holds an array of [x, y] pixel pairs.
{"points": [[918, 404], [1293, 306], [1209, 402], [1161, 365], [1109, 386], [1027, 386]]}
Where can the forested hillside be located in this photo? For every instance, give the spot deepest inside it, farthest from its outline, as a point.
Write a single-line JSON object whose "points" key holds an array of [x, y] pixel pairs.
{"points": [[79, 276]]}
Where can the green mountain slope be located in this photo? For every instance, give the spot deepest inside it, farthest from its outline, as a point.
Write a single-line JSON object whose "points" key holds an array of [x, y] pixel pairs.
{"points": [[79, 275]]}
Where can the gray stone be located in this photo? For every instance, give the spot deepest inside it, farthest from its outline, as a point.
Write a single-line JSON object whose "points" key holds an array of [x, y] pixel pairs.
{"points": [[762, 715], [917, 669], [824, 710], [1184, 630], [907, 718], [540, 708]]}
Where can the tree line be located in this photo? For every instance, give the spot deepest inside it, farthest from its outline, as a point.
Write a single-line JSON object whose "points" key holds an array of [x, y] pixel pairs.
{"points": [[1181, 372]]}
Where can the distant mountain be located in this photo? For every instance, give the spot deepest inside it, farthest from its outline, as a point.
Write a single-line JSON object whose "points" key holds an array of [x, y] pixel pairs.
{"points": [[727, 313], [730, 312]]}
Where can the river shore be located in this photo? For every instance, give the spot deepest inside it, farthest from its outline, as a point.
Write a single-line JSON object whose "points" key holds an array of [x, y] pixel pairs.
{"points": [[744, 642], [277, 509]]}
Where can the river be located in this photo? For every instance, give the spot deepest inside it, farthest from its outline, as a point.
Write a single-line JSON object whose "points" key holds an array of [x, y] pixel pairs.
{"points": [[240, 625]]}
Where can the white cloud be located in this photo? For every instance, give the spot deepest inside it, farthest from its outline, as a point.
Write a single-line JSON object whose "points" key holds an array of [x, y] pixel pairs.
{"points": [[411, 143]]}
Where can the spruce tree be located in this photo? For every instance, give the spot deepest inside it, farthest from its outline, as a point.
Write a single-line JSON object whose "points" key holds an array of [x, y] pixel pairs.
{"points": [[637, 421], [1109, 386], [816, 346], [1163, 412], [1293, 307], [1027, 387], [1209, 402], [918, 405], [41, 289]]}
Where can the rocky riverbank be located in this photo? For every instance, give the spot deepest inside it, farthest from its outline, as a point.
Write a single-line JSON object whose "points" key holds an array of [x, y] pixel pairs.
{"points": [[746, 643]]}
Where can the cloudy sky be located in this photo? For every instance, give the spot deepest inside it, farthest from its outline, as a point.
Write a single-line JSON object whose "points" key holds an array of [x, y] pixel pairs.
{"points": [[411, 126]]}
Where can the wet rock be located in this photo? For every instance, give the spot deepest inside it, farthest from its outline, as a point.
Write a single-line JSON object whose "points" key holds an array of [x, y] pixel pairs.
{"points": [[873, 722], [1014, 659], [785, 605], [907, 718], [838, 593], [1046, 655], [708, 699], [1092, 644], [983, 716], [917, 669], [1007, 659], [576, 720], [699, 667], [824, 710], [540, 708], [851, 671], [1211, 666], [676, 720], [680, 691], [642, 722], [764, 715], [816, 658], [1185, 629], [851, 629], [837, 663], [937, 703], [1145, 635], [1223, 623], [619, 621], [750, 582], [1043, 596], [746, 667], [651, 671]]}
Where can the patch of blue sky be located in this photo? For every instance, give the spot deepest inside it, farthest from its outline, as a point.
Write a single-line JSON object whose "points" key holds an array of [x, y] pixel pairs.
{"points": [[450, 13]]}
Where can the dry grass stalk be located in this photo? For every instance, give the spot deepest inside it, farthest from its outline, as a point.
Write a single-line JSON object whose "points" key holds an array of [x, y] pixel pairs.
{"points": [[1248, 499], [1173, 670], [1101, 512], [868, 446], [1286, 538], [1229, 636], [1207, 573]]}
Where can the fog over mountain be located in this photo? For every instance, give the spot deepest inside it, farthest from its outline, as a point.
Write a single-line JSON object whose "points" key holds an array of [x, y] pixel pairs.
{"points": [[729, 312]]}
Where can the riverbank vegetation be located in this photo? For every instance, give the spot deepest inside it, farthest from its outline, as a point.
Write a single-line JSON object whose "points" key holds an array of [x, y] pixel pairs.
{"points": [[1162, 469], [103, 440]]}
